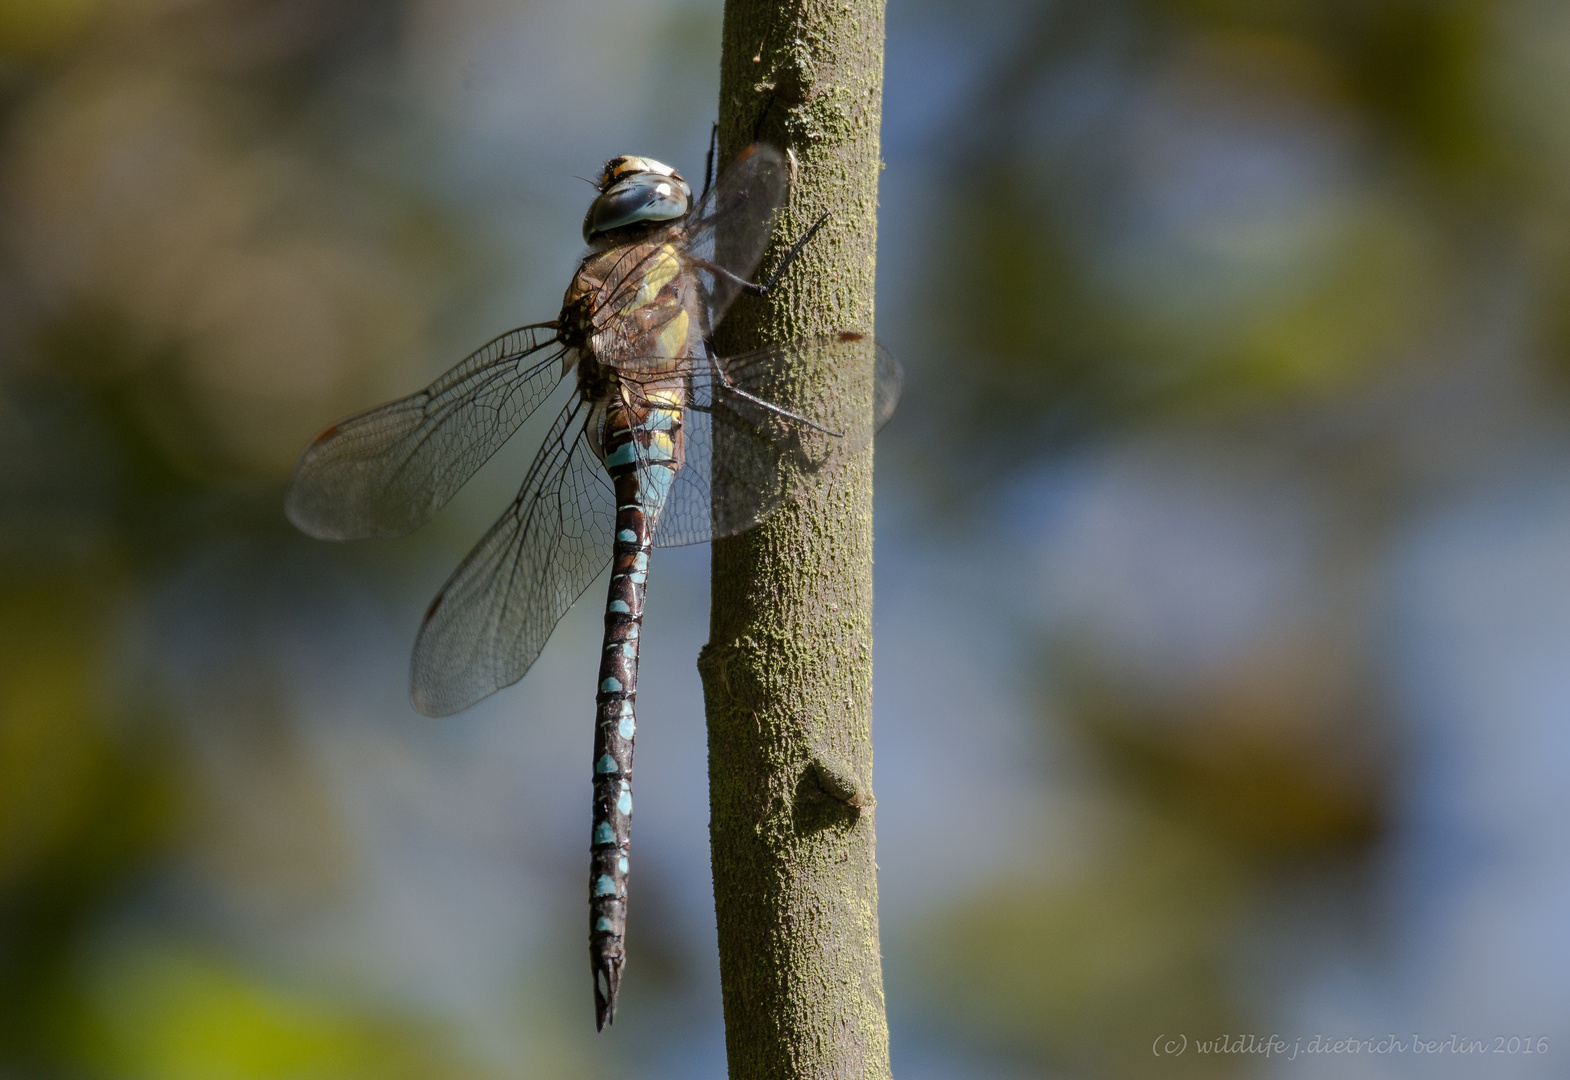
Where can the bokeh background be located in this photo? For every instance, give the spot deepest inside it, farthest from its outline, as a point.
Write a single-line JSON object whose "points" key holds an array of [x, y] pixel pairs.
{"points": [[1223, 655]]}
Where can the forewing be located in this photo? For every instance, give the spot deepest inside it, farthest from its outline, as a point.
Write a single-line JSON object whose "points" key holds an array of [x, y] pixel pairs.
{"points": [[731, 226], [386, 471], [490, 621], [768, 426], [890, 385]]}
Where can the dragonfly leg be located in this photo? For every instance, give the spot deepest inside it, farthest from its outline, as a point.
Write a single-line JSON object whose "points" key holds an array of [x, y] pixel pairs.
{"points": [[768, 107], [761, 288], [769, 405], [708, 162]]}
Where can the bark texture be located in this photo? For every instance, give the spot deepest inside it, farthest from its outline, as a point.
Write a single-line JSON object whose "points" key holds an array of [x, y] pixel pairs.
{"points": [[787, 673]]}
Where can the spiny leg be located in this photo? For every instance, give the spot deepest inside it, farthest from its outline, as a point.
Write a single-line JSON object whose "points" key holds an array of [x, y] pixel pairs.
{"points": [[708, 162], [753, 288], [761, 288]]}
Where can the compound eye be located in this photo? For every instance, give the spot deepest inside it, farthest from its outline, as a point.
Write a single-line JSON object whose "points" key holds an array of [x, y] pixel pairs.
{"points": [[643, 196]]}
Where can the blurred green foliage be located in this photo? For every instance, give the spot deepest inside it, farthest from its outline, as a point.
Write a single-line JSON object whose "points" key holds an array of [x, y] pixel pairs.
{"points": [[1213, 804], [1085, 974], [162, 1009], [1230, 209], [177, 284], [83, 807], [1287, 232]]}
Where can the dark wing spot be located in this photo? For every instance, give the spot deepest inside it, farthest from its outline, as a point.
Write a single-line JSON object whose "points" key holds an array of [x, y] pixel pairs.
{"points": [[851, 335], [436, 603], [329, 433]]}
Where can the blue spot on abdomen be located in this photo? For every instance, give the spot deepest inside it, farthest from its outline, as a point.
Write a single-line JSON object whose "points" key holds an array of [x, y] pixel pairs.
{"points": [[625, 454]]}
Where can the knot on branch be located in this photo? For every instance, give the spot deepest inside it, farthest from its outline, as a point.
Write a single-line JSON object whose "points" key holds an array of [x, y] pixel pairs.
{"points": [[835, 780]]}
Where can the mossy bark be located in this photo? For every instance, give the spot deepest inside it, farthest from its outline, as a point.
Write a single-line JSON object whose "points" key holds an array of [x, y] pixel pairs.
{"points": [[787, 673]]}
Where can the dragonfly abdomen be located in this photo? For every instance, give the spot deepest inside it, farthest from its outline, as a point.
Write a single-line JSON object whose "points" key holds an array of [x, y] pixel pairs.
{"points": [[641, 453]]}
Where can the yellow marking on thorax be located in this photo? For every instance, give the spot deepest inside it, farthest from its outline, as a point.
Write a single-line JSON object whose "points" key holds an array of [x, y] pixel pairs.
{"points": [[673, 337], [661, 267]]}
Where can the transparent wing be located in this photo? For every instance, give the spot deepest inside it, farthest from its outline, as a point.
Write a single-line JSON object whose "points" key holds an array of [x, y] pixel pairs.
{"points": [[890, 385], [731, 226], [490, 621], [386, 471], [763, 428]]}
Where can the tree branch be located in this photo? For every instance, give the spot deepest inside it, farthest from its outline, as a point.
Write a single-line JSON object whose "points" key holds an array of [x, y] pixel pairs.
{"points": [[787, 672]]}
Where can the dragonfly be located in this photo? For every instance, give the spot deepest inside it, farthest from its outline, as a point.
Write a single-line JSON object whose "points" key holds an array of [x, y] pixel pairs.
{"points": [[660, 443]]}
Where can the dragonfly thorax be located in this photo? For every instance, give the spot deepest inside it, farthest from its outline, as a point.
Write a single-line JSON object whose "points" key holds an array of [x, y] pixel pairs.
{"points": [[634, 299], [577, 310]]}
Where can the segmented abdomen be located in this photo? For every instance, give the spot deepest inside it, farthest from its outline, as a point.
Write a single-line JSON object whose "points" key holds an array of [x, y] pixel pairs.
{"points": [[642, 451]]}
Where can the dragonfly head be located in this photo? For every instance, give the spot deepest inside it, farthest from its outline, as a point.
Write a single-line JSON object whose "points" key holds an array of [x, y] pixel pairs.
{"points": [[634, 191]]}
